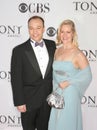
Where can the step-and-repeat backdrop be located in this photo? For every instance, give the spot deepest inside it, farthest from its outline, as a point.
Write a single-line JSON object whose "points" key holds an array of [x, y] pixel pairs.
{"points": [[13, 31]]}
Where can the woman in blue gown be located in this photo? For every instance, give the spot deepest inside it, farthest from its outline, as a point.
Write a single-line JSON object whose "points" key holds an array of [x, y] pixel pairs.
{"points": [[71, 75]]}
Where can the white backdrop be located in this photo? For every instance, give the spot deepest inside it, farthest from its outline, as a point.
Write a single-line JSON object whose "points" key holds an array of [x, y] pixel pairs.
{"points": [[13, 31]]}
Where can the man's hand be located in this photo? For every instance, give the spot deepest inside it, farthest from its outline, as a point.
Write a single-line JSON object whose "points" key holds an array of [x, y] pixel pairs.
{"points": [[22, 108]]}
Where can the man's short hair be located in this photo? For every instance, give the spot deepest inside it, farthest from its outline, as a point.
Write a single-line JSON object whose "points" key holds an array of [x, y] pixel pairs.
{"points": [[36, 17]]}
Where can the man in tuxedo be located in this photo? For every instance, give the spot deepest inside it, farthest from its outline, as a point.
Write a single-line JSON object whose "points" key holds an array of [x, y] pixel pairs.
{"points": [[31, 76]]}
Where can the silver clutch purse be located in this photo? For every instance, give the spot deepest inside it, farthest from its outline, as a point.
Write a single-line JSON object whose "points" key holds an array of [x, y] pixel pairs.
{"points": [[56, 100]]}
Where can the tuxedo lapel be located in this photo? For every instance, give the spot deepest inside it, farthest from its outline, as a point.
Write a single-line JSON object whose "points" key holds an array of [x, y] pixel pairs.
{"points": [[49, 49], [32, 58]]}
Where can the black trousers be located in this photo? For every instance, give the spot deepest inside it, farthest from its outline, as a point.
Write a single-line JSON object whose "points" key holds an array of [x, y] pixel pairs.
{"points": [[36, 118]]}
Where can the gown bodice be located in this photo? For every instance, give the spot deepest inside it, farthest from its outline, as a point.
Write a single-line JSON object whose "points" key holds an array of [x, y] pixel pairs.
{"points": [[63, 70]]}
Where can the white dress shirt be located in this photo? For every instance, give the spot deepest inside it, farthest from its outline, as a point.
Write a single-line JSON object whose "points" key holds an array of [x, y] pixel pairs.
{"points": [[41, 56]]}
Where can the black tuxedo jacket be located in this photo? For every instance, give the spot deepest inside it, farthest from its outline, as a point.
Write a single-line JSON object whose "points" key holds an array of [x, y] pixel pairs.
{"points": [[28, 86]]}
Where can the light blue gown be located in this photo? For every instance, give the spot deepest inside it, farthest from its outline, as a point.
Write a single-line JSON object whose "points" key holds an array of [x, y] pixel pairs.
{"points": [[69, 118]]}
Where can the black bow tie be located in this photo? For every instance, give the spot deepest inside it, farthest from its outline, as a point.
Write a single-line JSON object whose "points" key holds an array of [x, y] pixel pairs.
{"points": [[39, 44]]}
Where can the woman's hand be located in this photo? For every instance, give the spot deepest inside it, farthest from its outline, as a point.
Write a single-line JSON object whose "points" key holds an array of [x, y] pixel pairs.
{"points": [[64, 84]]}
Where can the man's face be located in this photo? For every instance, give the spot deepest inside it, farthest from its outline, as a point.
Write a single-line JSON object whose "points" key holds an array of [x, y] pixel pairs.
{"points": [[36, 29]]}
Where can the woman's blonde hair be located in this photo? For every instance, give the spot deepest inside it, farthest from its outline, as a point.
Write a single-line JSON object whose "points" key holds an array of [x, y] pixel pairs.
{"points": [[71, 23]]}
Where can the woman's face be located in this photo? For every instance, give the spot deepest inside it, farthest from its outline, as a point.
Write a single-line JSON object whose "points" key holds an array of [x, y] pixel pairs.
{"points": [[66, 34]]}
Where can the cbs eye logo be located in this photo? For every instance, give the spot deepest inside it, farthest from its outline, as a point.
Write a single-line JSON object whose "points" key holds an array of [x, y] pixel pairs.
{"points": [[23, 7], [51, 31]]}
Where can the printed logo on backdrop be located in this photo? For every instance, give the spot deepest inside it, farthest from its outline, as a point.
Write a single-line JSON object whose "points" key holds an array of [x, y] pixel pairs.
{"points": [[90, 101], [9, 121], [34, 7], [51, 31], [85, 6], [91, 55], [5, 75], [10, 30]]}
